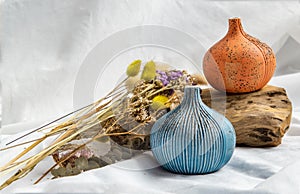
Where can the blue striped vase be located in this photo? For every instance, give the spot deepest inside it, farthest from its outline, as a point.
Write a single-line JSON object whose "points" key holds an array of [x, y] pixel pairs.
{"points": [[192, 138]]}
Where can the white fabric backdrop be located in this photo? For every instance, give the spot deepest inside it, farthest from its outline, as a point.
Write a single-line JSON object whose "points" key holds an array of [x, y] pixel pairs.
{"points": [[43, 44]]}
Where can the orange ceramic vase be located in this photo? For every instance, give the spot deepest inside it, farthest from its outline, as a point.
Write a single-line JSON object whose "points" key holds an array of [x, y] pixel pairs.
{"points": [[238, 63]]}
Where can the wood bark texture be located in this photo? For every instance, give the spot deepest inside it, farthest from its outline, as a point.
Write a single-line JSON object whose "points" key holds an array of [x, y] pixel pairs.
{"points": [[260, 118]]}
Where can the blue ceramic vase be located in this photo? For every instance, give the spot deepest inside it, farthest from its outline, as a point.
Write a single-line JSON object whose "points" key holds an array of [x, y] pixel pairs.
{"points": [[192, 138]]}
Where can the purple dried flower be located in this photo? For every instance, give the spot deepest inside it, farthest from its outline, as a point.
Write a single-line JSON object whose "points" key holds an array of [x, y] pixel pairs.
{"points": [[162, 76], [173, 75], [84, 153], [166, 77], [165, 82]]}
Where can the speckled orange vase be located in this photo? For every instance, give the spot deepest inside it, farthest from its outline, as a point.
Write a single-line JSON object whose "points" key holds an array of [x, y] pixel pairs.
{"points": [[238, 63]]}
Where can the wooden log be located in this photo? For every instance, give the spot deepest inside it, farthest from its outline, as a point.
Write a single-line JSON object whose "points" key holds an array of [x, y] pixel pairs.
{"points": [[260, 118]]}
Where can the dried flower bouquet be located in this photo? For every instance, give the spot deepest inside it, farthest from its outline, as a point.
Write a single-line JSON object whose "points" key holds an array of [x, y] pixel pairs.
{"points": [[123, 119]]}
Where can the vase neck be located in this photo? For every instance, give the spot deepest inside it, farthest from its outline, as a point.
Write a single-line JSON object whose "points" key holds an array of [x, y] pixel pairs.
{"points": [[192, 93], [235, 26]]}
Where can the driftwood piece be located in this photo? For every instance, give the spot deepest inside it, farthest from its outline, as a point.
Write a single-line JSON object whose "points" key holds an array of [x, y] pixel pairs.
{"points": [[260, 118]]}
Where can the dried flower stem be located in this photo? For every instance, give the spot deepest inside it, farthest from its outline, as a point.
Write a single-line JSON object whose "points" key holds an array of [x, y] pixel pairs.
{"points": [[66, 137], [158, 91], [87, 142]]}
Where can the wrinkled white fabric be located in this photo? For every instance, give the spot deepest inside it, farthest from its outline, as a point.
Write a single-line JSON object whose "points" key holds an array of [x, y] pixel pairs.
{"points": [[251, 170], [43, 44]]}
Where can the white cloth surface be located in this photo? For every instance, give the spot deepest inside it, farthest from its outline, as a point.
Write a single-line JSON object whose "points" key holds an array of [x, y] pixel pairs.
{"points": [[43, 44], [251, 170]]}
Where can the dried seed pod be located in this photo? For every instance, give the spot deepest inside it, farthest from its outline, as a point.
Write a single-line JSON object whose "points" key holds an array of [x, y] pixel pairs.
{"points": [[149, 71], [136, 143], [131, 82], [92, 165], [117, 153], [106, 160], [59, 172], [72, 171], [100, 162], [134, 68], [81, 163], [126, 155]]}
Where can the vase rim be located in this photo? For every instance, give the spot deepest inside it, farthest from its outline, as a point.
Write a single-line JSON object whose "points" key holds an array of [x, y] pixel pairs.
{"points": [[235, 18], [193, 86]]}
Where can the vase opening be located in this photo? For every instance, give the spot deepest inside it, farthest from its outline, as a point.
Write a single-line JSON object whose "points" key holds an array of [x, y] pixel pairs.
{"points": [[235, 26], [192, 93]]}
